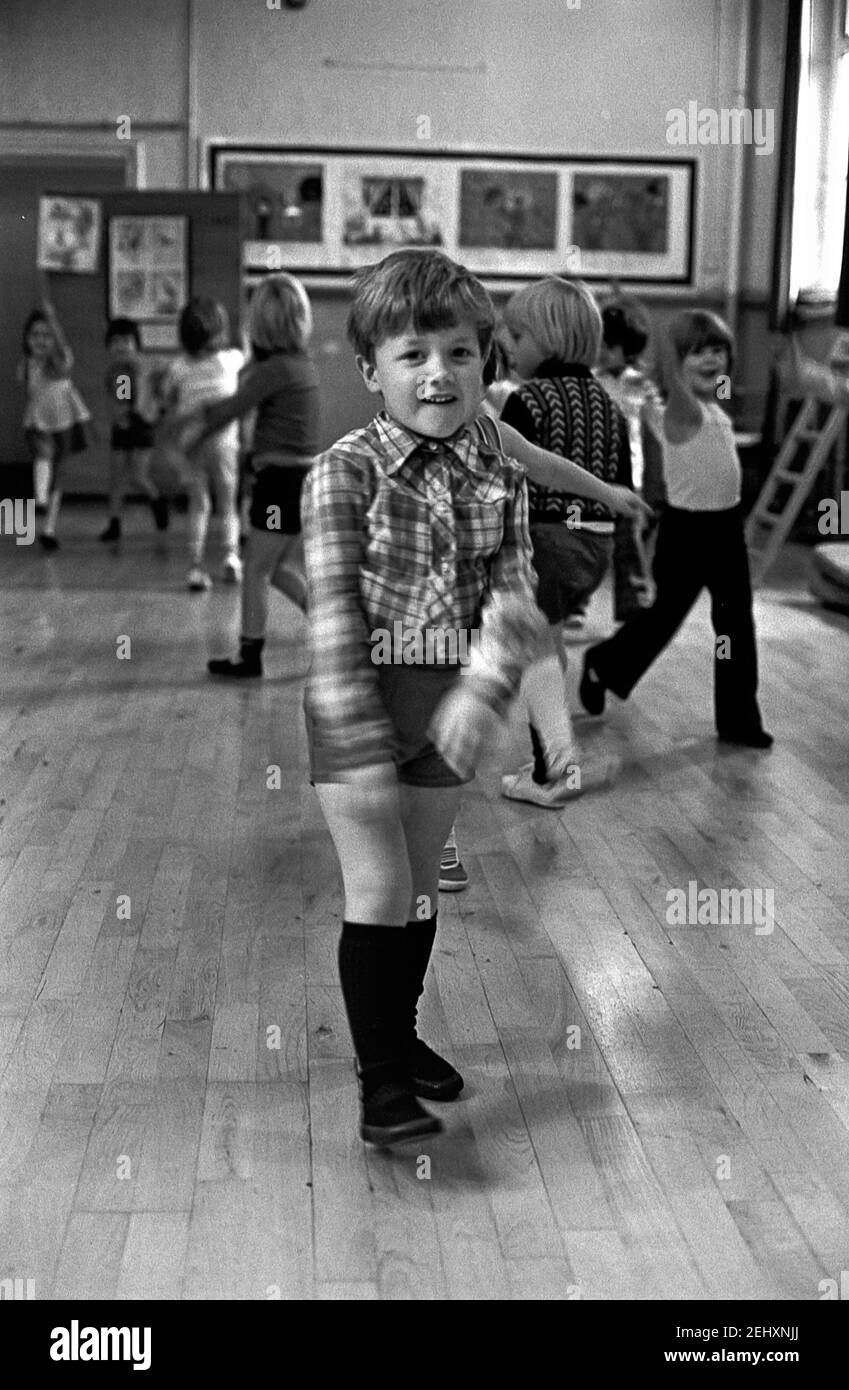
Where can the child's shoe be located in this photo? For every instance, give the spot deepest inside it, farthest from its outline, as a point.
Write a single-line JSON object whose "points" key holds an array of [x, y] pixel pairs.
{"points": [[236, 670], [248, 664], [231, 570], [113, 530], [392, 1115], [49, 543], [198, 580], [431, 1076], [520, 786], [452, 876], [159, 507], [578, 778]]}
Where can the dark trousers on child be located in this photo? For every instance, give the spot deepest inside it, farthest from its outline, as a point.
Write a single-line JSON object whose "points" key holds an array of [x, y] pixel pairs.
{"points": [[695, 550]]}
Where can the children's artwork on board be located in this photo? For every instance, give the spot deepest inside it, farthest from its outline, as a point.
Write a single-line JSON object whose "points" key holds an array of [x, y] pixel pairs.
{"points": [[621, 212], [382, 210], [69, 234], [128, 294], [283, 198], [148, 268], [325, 212], [508, 208], [632, 219]]}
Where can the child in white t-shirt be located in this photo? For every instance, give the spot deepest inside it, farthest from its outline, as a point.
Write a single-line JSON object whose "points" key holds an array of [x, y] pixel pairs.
{"points": [[700, 540], [208, 371]]}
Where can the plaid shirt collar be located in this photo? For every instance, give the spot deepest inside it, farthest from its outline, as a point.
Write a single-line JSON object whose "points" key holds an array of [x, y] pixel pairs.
{"points": [[399, 444]]}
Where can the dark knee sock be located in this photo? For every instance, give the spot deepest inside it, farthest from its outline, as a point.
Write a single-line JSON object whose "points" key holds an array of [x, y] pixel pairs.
{"points": [[372, 970], [420, 938], [251, 646]]}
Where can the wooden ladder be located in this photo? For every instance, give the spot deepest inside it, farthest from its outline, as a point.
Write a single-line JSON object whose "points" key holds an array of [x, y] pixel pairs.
{"points": [[767, 528]]}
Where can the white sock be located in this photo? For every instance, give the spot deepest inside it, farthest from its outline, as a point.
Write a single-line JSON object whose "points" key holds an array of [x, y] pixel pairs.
{"points": [[548, 711], [41, 476], [52, 513]]}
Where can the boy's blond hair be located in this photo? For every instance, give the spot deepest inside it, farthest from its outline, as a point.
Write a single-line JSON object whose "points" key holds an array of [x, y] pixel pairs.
{"points": [[561, 316], [280, 315]]}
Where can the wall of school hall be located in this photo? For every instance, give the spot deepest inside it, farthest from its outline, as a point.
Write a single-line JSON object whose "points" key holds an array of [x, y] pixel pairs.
{"points": [[523, 76]]}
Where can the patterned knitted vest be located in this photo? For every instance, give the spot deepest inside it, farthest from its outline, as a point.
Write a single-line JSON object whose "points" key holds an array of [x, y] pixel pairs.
{"points": [[574, 417]]}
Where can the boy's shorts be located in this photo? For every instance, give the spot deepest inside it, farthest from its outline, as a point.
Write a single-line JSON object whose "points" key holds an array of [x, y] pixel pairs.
{"points": [[410, 695], [570, 564], [278, 485]]}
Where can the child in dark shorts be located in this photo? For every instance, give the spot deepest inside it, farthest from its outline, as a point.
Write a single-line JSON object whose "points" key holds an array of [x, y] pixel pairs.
{"points": [[281, 384], [131, 440], [557, 329], [422, 616]]}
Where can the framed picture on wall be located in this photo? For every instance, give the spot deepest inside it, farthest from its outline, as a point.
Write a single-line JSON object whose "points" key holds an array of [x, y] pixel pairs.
{"points": [[69, 234], [148, 268], [325, 212]]}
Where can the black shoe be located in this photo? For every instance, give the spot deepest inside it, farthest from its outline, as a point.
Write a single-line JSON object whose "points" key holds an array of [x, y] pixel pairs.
{"points": [[432, 1077], [757, 738], [392, 1115], [49, 543], [236, 670], [591, 689], [159, 507], [113, 531]]}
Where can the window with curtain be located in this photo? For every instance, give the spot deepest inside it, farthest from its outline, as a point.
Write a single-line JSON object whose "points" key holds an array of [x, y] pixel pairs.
{"points": [[822, 151]]}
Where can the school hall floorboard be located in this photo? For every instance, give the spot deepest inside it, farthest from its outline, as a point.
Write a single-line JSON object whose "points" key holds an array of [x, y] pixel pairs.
{"points": [[651, 1111]]}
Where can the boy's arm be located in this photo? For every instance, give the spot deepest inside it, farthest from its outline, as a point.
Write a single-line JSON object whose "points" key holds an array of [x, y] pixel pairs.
{"points": [[511, 622], [562, 475], [252, 390], [344, 695]]}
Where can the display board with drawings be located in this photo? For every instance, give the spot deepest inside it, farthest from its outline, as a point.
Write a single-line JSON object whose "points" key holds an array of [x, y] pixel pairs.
{"points": [[149, 274], [324, 212]]}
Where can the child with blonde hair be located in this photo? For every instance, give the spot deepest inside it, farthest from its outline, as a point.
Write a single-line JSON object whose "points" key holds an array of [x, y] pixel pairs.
{"points": [[557, 332], [281, 385]]}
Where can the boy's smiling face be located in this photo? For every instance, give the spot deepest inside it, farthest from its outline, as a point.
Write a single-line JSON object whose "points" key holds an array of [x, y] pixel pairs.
{"points": [[430, 380]]}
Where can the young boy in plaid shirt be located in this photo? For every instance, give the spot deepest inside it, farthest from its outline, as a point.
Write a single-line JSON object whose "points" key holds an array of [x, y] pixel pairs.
{"points": [[415, 527]]}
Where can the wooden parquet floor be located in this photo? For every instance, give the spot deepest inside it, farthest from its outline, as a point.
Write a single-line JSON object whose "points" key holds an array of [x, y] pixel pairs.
{"points": [[651, 1111]]}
